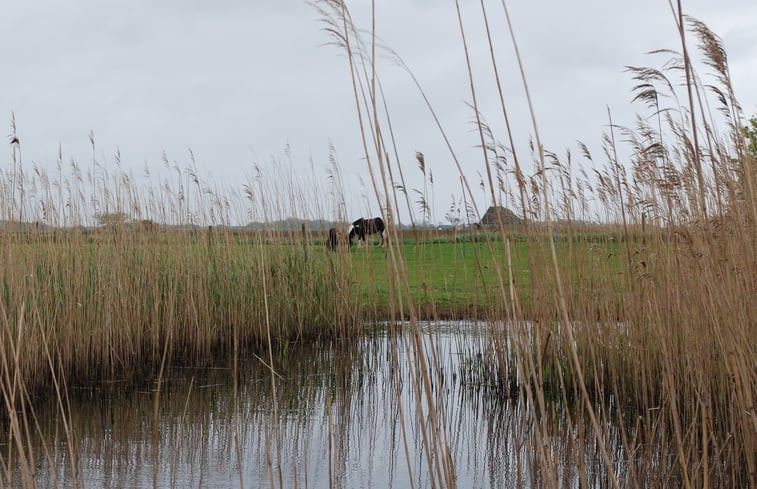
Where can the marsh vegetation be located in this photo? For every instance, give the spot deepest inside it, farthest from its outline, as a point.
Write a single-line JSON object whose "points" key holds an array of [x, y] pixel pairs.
{"points": [[619, 354]]}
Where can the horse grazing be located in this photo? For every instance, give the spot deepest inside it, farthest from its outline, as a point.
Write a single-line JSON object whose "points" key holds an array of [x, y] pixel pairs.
{"points": [[363, 227]]}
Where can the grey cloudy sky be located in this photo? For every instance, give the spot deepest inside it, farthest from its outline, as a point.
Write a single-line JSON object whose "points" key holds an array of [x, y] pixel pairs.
{"points": [[238, 82]]}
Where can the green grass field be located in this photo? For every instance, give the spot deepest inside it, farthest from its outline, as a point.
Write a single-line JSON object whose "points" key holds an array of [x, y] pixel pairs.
{"points": [[459, 278]]}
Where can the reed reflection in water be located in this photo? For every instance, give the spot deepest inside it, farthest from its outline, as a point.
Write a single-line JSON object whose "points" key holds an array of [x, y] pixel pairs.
{"points": [[336, 421]]}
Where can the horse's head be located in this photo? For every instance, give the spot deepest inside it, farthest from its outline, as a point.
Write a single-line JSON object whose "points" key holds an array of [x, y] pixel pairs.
{"points": [[351, 232]]}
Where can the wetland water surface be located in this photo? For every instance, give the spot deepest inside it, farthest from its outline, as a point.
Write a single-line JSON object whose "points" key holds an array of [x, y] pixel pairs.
{"points": [[334, 416]]}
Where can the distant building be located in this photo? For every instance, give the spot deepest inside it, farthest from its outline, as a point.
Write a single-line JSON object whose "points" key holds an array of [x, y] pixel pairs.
{"points": [[494, 214]]}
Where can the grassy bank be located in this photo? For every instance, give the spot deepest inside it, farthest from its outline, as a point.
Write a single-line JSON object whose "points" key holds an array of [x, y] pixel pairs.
{"points": [[110, 303]]}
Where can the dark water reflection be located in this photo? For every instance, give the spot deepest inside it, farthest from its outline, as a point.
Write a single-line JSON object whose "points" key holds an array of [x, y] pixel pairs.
{"points": [[335, 420]]}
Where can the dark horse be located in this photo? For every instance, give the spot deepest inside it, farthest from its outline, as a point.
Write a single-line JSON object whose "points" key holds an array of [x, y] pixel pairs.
{"points": [[363, 227], [333, 241]]}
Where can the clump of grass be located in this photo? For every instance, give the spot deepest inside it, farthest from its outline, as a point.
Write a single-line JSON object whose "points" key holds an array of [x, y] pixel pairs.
{"points": [[658, 335]]}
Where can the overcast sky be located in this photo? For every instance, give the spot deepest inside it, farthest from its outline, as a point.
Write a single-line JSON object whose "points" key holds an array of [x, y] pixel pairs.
{"points": [[238, 82]]}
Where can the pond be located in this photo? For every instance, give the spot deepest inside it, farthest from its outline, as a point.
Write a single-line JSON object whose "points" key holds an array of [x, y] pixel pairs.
{"points": [[325, 415]]}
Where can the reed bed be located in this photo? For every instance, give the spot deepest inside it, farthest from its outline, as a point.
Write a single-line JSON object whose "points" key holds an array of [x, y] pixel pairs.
{"points": [[657, 338], [105, 304]]}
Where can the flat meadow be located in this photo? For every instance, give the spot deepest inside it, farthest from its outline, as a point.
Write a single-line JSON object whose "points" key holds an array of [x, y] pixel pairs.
{"points": [[457, 274]]}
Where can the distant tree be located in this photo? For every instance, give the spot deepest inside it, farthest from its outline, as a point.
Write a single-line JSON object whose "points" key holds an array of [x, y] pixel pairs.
{"points": [[112, 219], [750, 131], [148, 225]]}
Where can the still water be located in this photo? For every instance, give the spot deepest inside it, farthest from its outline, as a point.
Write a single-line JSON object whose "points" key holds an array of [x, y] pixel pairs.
{"points": [[326, 415]]}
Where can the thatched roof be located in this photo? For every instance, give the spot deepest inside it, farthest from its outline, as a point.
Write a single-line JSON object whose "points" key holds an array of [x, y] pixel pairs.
{"points": [[495, 213]]}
